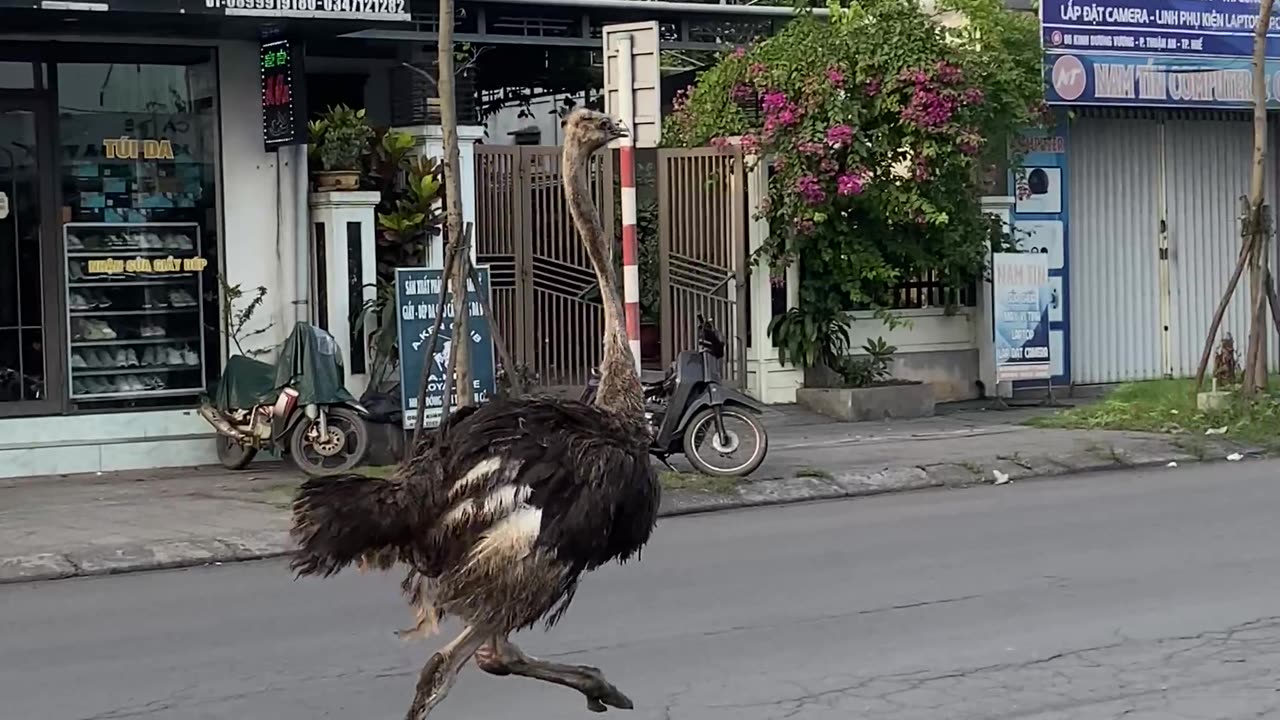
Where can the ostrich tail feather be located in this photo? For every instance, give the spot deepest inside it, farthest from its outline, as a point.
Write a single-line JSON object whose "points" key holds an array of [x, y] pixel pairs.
{"points": [[339, 520]]}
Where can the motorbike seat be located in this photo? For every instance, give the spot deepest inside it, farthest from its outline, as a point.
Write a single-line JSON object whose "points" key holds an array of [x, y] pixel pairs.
{"points": [[652, 377]]}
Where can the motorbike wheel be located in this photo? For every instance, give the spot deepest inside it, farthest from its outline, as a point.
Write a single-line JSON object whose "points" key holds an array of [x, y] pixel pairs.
{"points": [[713, 460], [232, 454], [343, 453]]}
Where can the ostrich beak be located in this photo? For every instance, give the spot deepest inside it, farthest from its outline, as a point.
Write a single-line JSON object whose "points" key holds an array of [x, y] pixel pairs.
{"points": [[618, 129]]}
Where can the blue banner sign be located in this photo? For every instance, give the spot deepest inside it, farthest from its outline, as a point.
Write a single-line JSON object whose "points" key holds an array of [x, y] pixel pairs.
{"points": [[1022, 295], [418, 296], [1155, 27], [1133, 81]]}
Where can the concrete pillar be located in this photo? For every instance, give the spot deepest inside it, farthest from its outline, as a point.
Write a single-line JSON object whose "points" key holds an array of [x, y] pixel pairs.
{"points": [[1002, 207], [430, 138], [768, 380], [343, 232]]}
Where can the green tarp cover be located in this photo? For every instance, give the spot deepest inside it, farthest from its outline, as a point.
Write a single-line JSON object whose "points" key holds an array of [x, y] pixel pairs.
{"points": [[308, 361]]}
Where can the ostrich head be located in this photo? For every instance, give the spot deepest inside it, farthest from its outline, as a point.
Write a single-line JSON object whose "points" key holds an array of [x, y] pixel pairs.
{"points": [[591, 130]]}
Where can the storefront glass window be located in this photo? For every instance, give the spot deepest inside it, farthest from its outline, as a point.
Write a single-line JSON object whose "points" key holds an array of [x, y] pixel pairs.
{"points": [[139, 144]]}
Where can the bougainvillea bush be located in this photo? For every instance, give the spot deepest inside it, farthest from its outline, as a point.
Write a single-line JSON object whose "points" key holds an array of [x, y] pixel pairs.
{"points": [[877, 121]]}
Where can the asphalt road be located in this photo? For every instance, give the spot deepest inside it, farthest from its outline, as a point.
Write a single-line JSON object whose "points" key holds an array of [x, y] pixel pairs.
{"points": [[1141, 595]]}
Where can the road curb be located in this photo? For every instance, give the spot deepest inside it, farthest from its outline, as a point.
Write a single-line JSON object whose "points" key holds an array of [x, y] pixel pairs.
{"points": [[812, 487]]}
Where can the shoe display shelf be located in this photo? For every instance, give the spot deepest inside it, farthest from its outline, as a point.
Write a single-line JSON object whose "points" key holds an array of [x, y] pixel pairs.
{"points": [[135, 316]]}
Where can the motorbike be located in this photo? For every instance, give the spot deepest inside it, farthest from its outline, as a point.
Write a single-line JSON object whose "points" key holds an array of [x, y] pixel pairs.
{"points": [[298, 407], [691, 413]]}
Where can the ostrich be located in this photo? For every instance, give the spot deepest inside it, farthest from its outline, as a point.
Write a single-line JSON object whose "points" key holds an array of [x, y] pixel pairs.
{"points": [[503, 509]]}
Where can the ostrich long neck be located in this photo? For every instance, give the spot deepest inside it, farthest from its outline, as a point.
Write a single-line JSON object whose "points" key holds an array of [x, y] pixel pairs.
{"points": [[619, 389]]}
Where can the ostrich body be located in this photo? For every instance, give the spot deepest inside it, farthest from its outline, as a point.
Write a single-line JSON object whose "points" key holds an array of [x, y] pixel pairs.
{"points": [[503, 509]]}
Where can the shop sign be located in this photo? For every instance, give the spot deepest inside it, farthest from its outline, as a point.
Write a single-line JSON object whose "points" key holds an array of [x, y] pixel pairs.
{"points": [[1155, 27], [284, 120], [117, 266], [1151, 81], [1022, 295], [417, 297], [376, 10], [127, 148]]}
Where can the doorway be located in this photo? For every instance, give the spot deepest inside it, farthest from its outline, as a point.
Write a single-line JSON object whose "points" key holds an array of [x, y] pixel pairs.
{"points": [[31, 371]]}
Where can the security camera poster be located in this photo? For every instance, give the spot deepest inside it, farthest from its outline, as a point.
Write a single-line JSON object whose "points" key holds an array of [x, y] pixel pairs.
{"points": [[1023, 295], [418, 297]]}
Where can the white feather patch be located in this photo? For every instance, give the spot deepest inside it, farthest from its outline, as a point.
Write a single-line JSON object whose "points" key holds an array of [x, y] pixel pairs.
{"points": [[497, 504], [510, 539], [481, 470]]}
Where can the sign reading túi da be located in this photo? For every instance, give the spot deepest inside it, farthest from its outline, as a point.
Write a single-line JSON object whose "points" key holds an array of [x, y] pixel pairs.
{"points": [[127, 148], [283, 108], [115, 266], [417, 297], [1021, 289]]}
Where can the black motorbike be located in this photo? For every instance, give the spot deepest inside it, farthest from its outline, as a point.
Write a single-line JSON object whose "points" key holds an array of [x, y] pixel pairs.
{"points": [[690, 412], [297, 407]]}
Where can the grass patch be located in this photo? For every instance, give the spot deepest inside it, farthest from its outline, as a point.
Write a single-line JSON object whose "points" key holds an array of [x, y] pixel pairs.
{"points": [[280, 496], [697, 482], [813, 472], [1169, 406], [377, 471]]}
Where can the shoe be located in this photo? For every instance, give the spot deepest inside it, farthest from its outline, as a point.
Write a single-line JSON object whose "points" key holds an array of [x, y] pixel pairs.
{"points": [[73, 242], [173, 356], [189, 357], [155, 299], [75, 273], [78, 388], [131, 358], [99, 330], [77, 361], [101, 300], [77, 329], [184, 243], [77, 302], [103, 359], [148, 357]]}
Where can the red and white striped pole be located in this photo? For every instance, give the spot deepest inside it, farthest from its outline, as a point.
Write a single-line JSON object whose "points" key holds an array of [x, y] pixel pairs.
{"points": [[627, 157]]}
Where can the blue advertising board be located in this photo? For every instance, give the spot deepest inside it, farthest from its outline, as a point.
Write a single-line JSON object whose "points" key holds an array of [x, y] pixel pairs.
{"points": [[1137, 81], [417, 297], [1020, 305], [1041, 224], [1155, 27]]}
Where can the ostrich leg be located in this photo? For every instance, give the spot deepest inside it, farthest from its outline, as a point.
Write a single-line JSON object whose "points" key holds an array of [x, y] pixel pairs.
{"points": [[441, 671], [502, 657]]}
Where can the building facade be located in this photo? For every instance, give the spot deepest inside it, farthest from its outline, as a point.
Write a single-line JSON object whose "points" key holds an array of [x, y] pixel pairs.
{"points": [[1155, 144]]}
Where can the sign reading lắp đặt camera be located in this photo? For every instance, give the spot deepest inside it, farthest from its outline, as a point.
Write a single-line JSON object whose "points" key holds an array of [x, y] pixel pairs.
{"points": [[1022, 295]]}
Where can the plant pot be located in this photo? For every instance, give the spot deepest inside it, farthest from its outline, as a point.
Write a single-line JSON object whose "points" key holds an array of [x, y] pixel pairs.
{"points": [[330, 180], [650, 341], [879, 402]]}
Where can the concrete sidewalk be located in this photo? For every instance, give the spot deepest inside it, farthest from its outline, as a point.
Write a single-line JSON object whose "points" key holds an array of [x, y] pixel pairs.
{"points": [[53, 527]]}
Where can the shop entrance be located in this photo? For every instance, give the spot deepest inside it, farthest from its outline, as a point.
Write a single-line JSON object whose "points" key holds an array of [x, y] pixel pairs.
{"points": [[30, 368]]}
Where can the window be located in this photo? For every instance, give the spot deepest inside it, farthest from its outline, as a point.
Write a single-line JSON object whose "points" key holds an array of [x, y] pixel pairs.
{"points": [[138, 169]]}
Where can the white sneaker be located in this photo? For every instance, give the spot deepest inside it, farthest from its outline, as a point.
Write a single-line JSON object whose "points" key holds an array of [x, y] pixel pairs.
{"points": [[73, 242], [184, 243], [189, 357], [148, 356], [174, 357], [103, 330], [103, 358], [131, 358], [77, 302], [78, 361]]}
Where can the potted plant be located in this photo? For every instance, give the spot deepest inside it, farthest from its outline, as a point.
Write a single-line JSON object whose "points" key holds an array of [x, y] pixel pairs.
{"points": [[841, 385], [339, 140]]}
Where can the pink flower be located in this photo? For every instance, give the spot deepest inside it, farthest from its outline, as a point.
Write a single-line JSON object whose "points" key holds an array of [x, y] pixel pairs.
{"points": [[949, 74], [812, 148], [773, 101], [872, 87], [829, 166], [850, 184], [743, 92], [756, 69], [810, 189], [835, 77], [839, 135], [739, 52], [719, 142], [929, 110], [749, 144], [972, 96]]}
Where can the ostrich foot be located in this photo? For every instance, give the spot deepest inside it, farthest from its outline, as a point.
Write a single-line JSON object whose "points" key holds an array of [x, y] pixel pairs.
{"points": [[440, 672], [501, 657]]}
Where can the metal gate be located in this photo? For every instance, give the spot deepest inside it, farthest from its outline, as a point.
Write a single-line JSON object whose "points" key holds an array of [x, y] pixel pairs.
{"points": [[702, 253], [546, 300]]}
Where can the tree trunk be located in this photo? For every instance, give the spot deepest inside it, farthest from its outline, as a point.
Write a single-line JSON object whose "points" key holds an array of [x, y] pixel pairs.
{"points": [[1246, 240], [453, 201], [1255, 371]]}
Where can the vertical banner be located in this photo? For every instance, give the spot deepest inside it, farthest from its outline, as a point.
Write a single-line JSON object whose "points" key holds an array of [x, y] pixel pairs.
{"points": [[417, 297], [1020, 305], [1041, 225]]}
